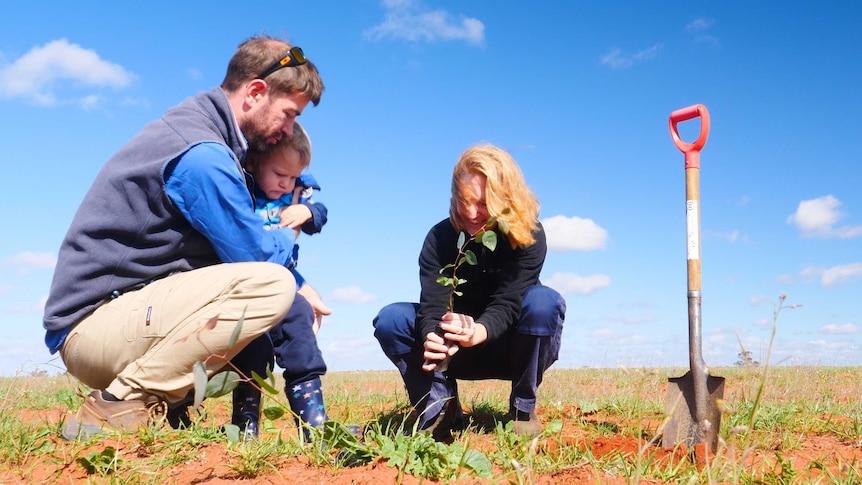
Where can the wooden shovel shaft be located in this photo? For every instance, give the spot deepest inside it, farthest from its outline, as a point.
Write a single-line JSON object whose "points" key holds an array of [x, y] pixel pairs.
{"points": [[692, 218]]}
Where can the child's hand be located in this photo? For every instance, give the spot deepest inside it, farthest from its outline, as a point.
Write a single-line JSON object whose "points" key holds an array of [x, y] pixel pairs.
{"points": [[294, 216], [320, 309]]}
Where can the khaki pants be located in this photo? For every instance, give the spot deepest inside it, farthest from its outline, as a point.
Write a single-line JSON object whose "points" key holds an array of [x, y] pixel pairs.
{"points": [[146, 342]]}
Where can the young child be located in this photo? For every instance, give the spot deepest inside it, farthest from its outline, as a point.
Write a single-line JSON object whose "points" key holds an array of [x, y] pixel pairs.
{"points": [[283, 199]]}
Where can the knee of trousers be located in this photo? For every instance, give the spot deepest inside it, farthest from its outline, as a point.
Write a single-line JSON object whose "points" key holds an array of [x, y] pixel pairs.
{"points": [[272, 282], [543, 312], [393, 328]]}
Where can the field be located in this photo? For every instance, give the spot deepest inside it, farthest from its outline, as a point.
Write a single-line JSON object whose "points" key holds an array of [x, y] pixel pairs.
{"points": [[785, 426]]}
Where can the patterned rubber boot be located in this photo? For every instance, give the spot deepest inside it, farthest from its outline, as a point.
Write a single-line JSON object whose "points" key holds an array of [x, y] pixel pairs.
{"points": [[306, 401], [246, 411]]}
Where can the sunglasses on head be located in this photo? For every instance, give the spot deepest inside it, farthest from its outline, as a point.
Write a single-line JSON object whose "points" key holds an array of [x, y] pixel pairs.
{"points": [[293, 58]]}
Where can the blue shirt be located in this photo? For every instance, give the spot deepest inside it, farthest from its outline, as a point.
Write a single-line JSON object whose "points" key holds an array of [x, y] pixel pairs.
{"points": [[207, 189]]}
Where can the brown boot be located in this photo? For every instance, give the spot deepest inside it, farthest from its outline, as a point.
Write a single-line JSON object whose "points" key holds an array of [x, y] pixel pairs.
{"points": [[526, 424], [97, 414], [451, 418]]}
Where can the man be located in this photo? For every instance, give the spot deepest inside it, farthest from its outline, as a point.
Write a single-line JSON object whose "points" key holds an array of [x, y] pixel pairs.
{"points": [[143, 289]]}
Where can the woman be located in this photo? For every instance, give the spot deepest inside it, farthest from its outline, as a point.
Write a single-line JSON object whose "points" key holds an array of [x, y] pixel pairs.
{"points": [[503, 325]]}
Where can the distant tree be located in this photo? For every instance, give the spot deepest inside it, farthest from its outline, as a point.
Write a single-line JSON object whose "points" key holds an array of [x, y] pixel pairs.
{"points": [[745, 360]]}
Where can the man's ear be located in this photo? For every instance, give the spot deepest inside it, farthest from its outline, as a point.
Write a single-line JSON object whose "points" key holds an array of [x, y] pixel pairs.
{"points": [[255, 90]]}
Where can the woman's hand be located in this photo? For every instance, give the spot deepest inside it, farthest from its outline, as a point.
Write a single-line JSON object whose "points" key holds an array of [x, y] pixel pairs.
{"points": [[462, 329], [458, 330], [437, 350]]}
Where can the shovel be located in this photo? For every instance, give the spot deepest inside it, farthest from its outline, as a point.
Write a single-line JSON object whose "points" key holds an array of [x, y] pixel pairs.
{"points": [[694, 415]]}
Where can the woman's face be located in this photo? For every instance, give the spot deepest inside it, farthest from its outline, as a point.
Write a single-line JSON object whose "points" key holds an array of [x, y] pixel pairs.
{"points": [[471, 205]]}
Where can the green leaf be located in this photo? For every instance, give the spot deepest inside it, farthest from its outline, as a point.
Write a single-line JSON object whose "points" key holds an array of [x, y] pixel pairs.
{"points": [[445, 281], [273, 412], [102, 462], [471, 258], [491, 221], [461, 238], [458, 293], [444, 268], [489, 240], [270, 377], [237, 330], [232, 432], [478, 463], [554, 427], [504, 227], [222, 383], [200, 378], [461, 281], [263, 384]]}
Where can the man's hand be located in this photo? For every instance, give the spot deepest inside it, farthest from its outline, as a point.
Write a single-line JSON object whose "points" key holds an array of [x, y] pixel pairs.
{"points": [[294, 216], [320, 309]]}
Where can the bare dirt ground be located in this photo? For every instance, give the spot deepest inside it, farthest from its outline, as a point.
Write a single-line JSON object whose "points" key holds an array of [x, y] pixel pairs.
{"points": [[814, 457]]}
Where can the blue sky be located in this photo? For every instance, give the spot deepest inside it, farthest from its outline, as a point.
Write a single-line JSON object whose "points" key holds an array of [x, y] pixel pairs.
{"points": [[579, 92]]}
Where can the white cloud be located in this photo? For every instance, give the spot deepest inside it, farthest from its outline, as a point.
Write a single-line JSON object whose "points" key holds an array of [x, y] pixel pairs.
{"points": [[699, 24], [90, 102], [128, 101], [572, 283], [835, 329], [616, 60], [839, 275], [603, 333], [412, 21], [31, 259], [632, 340], [760, 299], [350, 294], [565, 234], [762, 322], [699, 27], [628, 320], [38, 73], [818, 217], [731, 236], [28, 307], [834, 276]]}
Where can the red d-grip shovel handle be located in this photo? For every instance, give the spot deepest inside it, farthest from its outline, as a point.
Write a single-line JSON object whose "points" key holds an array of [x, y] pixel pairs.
{"points": [[691, 150]]}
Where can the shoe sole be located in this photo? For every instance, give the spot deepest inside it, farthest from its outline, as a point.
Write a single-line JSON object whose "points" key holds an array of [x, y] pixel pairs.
{"points": [[74, 430]]}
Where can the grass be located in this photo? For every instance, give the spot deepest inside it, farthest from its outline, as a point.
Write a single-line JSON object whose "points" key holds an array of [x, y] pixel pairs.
{"points": [[599, 424]]}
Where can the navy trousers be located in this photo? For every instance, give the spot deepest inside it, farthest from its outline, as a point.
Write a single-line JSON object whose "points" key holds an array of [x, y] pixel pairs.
{"points": [[521, 355], [293, 344]]}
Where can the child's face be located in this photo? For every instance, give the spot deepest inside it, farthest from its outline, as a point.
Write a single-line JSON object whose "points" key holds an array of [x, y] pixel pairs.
{"points": [[276, 176]]}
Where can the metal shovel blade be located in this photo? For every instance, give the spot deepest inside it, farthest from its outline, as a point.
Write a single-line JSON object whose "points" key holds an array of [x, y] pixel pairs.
{"points": [[683, 404]]}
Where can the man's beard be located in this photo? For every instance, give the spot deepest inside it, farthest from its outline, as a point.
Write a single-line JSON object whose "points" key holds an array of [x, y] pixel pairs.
{"points": [[253, 132]]}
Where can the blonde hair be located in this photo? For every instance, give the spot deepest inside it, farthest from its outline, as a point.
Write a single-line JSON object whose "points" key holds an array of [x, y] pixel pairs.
{"points": [[505, 188], [298, 142], [259, 52]]}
